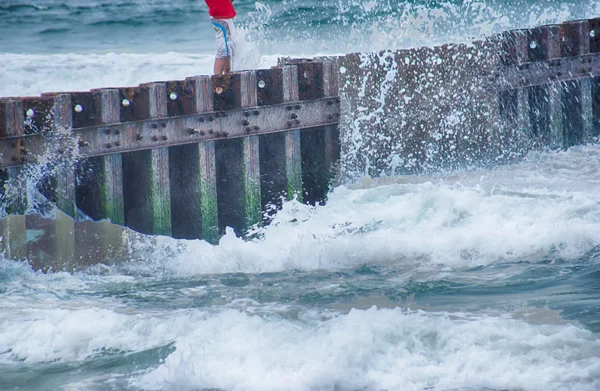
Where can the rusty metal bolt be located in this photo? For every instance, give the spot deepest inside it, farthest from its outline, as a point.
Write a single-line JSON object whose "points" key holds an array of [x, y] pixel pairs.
{"points": [[329, 102], [289, 108], [139, 137], [117, 131], [164, 138], [294, 116], [117, 143], [330, 117], [256, 128], [107, 131], [154, 126], [202, 133], [201, 119], [245, 122], [247, 114], [297, 122], [256, 113], [164, 124], [108, 145], [154, 138], [248, 129], [211, 118]]}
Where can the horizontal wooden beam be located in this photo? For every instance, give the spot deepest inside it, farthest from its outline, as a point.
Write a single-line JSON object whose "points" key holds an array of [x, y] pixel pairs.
{"points": [[545, 72], [162, 132]]}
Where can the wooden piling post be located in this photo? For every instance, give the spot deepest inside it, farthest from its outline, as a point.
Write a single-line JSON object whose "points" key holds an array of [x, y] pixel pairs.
{"points": [[193, 167], [147, 193], [53, 113], [238, 163], [13, 242], [577, 94], [320, 147], [15, 185], [63, 177], [100, 189], [280, 159]]}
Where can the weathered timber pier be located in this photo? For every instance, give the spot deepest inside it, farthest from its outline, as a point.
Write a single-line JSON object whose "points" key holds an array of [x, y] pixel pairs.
{"points": [[189, 158]]}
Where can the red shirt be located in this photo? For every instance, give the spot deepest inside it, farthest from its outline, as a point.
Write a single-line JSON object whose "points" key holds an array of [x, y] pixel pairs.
{"points": [[220, 9]]}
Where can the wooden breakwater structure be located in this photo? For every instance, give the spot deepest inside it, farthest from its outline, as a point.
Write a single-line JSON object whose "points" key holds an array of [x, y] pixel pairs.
{"points": [[456, 106], [179, 158], [189, 158]]}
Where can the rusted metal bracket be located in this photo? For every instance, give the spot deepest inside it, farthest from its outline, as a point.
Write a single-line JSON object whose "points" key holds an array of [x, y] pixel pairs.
{"points": [[164, 132]]}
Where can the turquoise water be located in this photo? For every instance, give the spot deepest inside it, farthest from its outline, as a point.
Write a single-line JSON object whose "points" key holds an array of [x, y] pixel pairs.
{"points": [[480, 280]]}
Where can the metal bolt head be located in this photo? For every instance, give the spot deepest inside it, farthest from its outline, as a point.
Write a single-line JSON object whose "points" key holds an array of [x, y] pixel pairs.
{"points": [[154, 126], [154, 138], [108, 145], [139, 137]]}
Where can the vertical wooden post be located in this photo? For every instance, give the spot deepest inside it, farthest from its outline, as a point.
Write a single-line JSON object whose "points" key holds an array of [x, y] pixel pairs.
{"points": [[147, 193], [577, 94], [321, 146], [193, 171], [12, 227], [545, 107], [100, 190], [238, 163], [15, 187], [64, 178], [293, 155], [251, 157], [280, 159]]}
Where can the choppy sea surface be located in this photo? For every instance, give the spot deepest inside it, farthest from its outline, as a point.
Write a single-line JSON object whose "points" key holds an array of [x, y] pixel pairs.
{"points": [[478, 280]]}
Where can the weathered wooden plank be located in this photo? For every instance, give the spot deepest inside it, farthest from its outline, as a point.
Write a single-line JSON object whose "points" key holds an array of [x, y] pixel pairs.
{"points": [[186, 129], [147, 200], [576, 94], [238, 163], [100, 189], [193, 174], [63, 176], [280, 159]]}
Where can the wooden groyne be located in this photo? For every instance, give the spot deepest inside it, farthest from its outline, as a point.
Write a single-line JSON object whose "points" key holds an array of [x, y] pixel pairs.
{"points": [[189, 158]]}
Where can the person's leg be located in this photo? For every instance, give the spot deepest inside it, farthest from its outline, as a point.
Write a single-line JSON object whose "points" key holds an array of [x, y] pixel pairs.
{"points": [[222, 65]]}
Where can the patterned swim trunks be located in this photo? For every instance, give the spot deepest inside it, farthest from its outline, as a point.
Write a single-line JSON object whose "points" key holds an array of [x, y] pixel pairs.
{"points": [[225, 43]]}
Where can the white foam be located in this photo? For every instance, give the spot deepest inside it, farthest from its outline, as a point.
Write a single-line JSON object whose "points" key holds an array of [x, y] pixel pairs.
{"points": [[547, 207], [378, 349]]}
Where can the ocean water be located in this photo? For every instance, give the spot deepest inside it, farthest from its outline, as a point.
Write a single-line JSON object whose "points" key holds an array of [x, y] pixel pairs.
{"points": [[478, 280]]}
